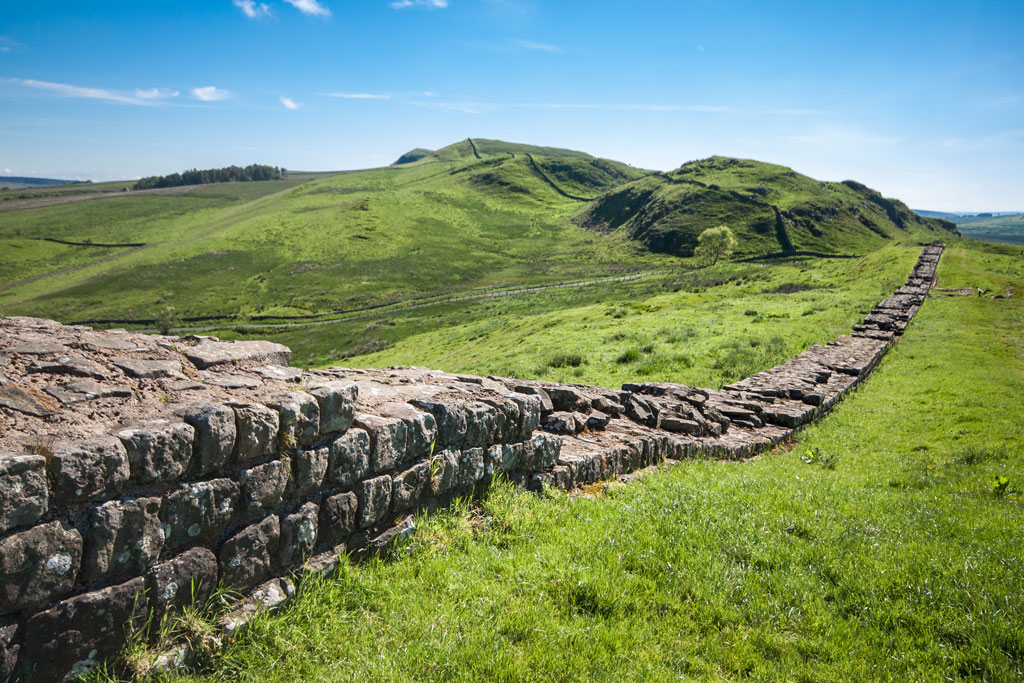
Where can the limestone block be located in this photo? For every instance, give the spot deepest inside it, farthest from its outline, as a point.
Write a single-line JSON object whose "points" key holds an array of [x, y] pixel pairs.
{"points": [[531, 407], [77, 634], [337, 401], [299, 415], [89, 470], [246, 559], [264, 486], [210, 352], [158, 450], [215, 431], [471, 468], [374, 499], [338, 517], [71, 365], [449, 417], [420, 428], [298, 535], [37, 565], [148, 369], [482, 422], [124, 539], [350, 458], [179, 582], [445, 469], [265, 597], [23, 493], [198, 512], [309, 467], [256, 428], [387, 440], [409, 488], [540, 453]]}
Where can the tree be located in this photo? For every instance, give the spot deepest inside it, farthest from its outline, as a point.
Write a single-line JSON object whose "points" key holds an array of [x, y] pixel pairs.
{"points": [[714, 244]]}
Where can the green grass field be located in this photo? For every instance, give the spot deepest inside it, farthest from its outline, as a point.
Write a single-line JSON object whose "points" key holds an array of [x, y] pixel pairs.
{"points": [[894, 556], [1009, 229]]}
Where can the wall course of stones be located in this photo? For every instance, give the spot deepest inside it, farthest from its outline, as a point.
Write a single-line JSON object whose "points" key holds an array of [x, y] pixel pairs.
{"points": [[137, 472]]}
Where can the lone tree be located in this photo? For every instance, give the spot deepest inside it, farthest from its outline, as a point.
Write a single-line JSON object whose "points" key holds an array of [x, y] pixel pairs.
{"points": [[714, 244]]}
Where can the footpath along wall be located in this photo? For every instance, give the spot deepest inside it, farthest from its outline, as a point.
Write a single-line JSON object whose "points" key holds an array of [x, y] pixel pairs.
{"points": [[137, 471]]}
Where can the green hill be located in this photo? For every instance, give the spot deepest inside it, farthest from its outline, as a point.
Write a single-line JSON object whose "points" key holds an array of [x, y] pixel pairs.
{"points": [[770, 208], [471, 216], [1002, 228]]}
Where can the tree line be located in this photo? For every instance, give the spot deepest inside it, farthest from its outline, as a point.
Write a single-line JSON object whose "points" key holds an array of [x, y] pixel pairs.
{"points": [[212, 175]]}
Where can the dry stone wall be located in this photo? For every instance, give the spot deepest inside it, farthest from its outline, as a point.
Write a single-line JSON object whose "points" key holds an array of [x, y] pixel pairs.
{"points": [[137, 472]]}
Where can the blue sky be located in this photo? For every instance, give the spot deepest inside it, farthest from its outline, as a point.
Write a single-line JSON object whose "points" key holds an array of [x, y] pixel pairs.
{"points": [[922, 100]]}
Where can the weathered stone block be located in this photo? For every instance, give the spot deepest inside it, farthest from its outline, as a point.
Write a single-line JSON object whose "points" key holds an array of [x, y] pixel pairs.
{"points": [[374, 499], [445, 469], [265, 597], [8, 647], [337, 402], [298, 536], [299, 415], [215, 431], [77, 634], [449, 417], [158, 450], [124, 539], [409, 488], [89, 469], [264, 486], [350, 458], [309, 467], [38, 565], [23, 493], [179, 582], [387, 440], [338, 517], [148, 369], [481, 425], [246, 559], [256, 428], [420, 428], [198, 512], [471, 468], [540, 453], [210, 352]]}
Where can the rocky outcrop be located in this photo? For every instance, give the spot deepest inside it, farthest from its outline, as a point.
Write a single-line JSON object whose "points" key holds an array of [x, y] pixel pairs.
{"points": [[138, 471]]}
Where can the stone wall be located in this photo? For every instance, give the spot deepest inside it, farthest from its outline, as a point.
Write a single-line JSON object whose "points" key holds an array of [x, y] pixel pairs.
{"points": [[137, 472]]}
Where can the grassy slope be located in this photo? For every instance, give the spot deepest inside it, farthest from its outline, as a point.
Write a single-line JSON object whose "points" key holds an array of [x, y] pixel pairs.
{"points": [[669, 211], [722, 324], [899, 562], [1008, 229], [447, 222]]}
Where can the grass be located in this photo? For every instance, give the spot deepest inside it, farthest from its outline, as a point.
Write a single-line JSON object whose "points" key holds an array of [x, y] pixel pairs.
{"points": [[881, 546], [1009, 229]]}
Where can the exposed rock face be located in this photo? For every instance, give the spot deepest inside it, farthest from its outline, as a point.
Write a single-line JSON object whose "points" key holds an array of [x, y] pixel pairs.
{"points": [[137, 472]]}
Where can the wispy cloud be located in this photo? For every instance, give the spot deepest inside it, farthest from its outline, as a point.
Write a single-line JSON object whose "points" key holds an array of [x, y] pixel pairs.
{"points": [[311, 7], [210, 93], [252, 9], [8, 171], [531, 45], [155, 93], [9, 45], [66, 90], [999, 139], [358, 96], [429, 4], [289, 103]]}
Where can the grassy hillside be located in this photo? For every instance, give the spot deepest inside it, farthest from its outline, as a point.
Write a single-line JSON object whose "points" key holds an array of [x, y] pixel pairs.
{"points": [[769, 207], [1009, 229], [893, 556], [448, 222]]}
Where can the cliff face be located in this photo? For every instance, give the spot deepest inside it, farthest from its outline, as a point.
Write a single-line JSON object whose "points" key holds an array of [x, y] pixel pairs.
{"points": [[137, 472]]}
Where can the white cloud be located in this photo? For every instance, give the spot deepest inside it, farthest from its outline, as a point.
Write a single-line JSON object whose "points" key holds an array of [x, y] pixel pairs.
{"points": [[289, 103], [210, 94], [8, 171], [530, 45], [358, 96], [155, 93], [429, 4], [428, 93], [78, 91], [311, 7], [252, 9]]}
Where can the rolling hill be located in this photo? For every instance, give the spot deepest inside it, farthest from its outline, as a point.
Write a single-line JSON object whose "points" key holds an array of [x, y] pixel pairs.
{"points": [[472, 216], [769, 207]]}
